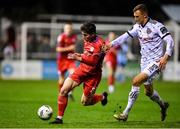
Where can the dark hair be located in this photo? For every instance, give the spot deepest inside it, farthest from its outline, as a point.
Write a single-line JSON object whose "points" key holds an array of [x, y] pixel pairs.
{"points": [[88, 28], [68, 23], [141, 7]]}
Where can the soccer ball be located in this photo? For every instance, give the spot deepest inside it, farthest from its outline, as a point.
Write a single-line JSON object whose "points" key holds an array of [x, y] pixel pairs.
{"points": [[45, 112]]}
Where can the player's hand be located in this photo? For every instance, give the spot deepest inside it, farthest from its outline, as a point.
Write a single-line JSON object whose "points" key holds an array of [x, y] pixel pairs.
{"points": [[75, 56], [163, 62], [58, 49], [106, 47], [71, 56]]}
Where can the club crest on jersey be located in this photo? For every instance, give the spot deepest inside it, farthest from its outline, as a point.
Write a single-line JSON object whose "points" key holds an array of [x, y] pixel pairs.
{"points": [[148, 31]]}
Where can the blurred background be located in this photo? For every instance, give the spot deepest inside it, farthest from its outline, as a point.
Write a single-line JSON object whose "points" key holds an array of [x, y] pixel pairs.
{"points": [[29, 30]]}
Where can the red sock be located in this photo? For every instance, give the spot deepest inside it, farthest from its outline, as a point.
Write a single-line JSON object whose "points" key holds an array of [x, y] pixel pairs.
{"points": [[62, 103], [111, 80], [96, 98]]}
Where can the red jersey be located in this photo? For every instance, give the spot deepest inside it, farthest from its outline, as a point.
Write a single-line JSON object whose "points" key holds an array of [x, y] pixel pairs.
{"points": [[64, 40], [92, 57]]}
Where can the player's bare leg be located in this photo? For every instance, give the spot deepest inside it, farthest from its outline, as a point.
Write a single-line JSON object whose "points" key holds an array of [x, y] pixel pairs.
{"points": [[133, 94], [70, 94], [61, 81], [94, 98], [111, 78], [154, 96], [68, 85]]}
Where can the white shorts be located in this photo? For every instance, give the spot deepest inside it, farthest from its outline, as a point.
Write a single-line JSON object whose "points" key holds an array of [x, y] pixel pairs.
{"points": [[152, 70]]}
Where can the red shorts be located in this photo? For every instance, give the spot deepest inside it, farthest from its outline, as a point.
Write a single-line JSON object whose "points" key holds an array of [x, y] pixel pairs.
{"points": [[91, 82], [64, 65]]}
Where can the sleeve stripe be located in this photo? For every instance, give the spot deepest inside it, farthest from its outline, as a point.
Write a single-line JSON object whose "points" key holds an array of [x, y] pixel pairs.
{"points": [[129, 34], [165, 35]]}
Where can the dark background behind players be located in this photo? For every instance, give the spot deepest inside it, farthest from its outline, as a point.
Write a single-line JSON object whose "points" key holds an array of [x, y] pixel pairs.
{"points": [[20, 10]]}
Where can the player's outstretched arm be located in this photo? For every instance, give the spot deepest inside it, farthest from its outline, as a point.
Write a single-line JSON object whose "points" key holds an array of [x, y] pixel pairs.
{"points": [[120, 40], [75, 56], [92, 59], [117, 42], [65, 49]]}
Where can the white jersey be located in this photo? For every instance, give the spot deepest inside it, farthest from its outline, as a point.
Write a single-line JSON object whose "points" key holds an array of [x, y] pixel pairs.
{"points": [[151, 37]]}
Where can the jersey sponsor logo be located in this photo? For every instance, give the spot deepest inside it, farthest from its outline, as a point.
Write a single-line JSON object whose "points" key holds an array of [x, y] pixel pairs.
{"points": [[163, 30]]}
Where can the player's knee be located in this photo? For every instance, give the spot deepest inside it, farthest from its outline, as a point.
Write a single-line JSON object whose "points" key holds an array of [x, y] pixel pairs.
{"points": [[63, 92], [61, 80]]}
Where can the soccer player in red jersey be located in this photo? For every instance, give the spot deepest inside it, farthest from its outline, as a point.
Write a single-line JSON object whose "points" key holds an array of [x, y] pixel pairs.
{"points": [[111, 62], [89, 72], [65, 45]]}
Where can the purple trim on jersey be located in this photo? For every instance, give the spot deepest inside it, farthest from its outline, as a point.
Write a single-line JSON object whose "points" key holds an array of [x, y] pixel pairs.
{"points": [[129, 34], [166, 35], [146, 22], [97, 38]]}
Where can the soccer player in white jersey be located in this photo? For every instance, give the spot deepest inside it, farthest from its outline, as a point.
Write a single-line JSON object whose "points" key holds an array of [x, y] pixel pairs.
{"points": [[153, 59]]}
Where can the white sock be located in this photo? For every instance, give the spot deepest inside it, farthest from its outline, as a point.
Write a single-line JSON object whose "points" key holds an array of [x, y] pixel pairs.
{"points": [[156, 98], [133, 94], [70, 93], [111, 89], [59, 117]]}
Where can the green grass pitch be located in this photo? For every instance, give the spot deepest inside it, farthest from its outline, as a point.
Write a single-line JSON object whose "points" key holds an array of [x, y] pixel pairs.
{"points": [[20, 100]]}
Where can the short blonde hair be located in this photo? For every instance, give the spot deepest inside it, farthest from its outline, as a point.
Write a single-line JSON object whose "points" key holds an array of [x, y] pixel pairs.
{"points": [[141, 7]]}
